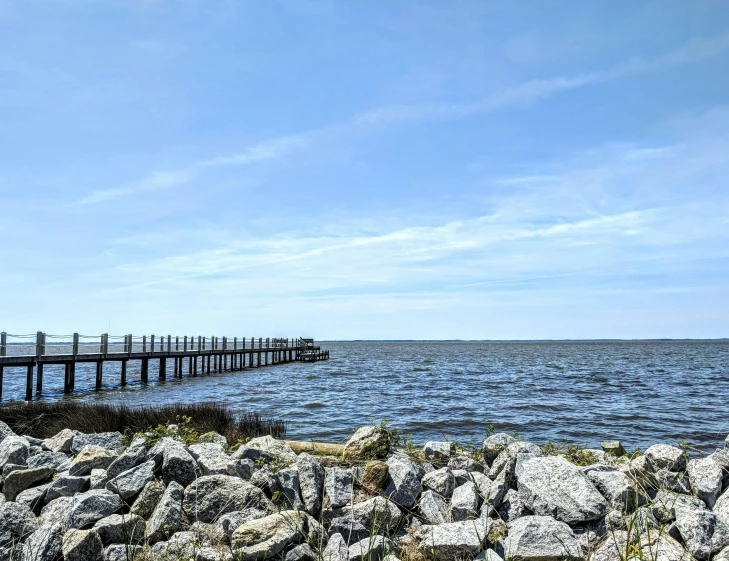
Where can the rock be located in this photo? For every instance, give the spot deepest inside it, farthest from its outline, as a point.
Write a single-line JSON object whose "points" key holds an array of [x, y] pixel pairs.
{"points": [[482, 482], [10, 468], [121, 552], [403, 486], [5, 431], [265, 480], [338, 486], [108, 440], [376, 512], [705, 478], [367, 443], [148, 499], [131, 482], [280, 451], [22, 479], [453, 541], [431, 507], [499, 488], [210, 457], [44, 544], [703, 532], [167, 516], [465, 463], [98, 479], [672, 481], [659, 546], [541, 538], [551, 486], [86, 508], [494, 444], [336, 549], [13, 450], [351, 530], [16, 522], [230, 522], [213, 495], [616, 487], [91, 457], [61, 442], [664, 504], [130, 458], [290, 495], [375, 476], [182, 545], [440, 481], [213, 554], [372, 548], [465, 502], [613, 448], [507, 459], [82, 545], [121, 528], [721, 507], [512, 507], [721, 458], [267, 537], [241, 468], [665, 456], [47, 459], [301, 552], [34, 498], [439, 451], [311, 482], [66, 486], [178, 465], [215, 438]]}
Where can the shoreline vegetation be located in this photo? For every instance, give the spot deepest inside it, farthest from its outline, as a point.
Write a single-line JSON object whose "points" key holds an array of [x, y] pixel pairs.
{"points": [[200, 484]]}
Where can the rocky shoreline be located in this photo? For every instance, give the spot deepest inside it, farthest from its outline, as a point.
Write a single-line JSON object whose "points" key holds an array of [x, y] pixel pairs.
{"points": [[90, 497]]}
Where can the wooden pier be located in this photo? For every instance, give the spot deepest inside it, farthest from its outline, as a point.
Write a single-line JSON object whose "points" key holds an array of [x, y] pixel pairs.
{"points": [[201, 354]]}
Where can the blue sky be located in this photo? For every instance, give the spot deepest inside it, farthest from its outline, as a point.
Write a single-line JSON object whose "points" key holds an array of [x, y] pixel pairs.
{"points": [[476, 170]]}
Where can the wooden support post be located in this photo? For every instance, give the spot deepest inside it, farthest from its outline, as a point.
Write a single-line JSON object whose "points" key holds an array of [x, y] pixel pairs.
{"points": [[29, 383], [189, 367], [194, 371], [67, 377], [39, 380], [123, 372], [163, 368], [208, 364], [145, 370], [99, 372]]}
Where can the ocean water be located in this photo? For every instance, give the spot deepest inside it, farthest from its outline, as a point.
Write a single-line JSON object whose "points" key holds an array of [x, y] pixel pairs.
{"points": [[639, 392]]}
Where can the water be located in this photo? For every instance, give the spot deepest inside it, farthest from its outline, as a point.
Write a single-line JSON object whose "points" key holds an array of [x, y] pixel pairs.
{"points": [[640, 392]]}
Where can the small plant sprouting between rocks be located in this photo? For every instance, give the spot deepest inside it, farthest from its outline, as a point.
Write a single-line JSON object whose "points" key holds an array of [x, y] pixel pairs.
{"points": [[570, 452], [181, 430]]}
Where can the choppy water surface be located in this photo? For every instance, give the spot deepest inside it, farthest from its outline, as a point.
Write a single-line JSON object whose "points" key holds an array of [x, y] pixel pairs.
{"points": [[583, 392]]}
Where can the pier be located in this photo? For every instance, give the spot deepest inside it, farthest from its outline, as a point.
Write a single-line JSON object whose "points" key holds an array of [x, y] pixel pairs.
{"points": [[193, 355]]}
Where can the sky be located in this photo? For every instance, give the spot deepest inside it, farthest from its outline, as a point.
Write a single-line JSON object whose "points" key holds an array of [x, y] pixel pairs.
{"points": [[365, 169]]}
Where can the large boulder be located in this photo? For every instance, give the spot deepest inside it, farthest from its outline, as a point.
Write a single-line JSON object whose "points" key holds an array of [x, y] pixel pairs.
{"points": [[705, 478], [665, 456], [82, 545], [210, 457], [13, 450], [374, 477], [440, 481], [311, 482], [367, 443], [5, 431], [269, 536], [230, 522], [167, 516], [377, 512], [338, 486], [148, 499], [290, 495], [438, 451], [465, 502], [131, 482], [279, 452], [494, 444], [108, 440], [702, 531], [45, 543], [431, 508], [61, 442], [55, 460], [86, 508], [371, 548], [121, 528], [453, 541], [16, 522], [130, 458], [541, 538], [178, 465], [551, 486], [403, 486], [213, 495], [619, 489], [22, 479], [336, 549], [91, 457]]}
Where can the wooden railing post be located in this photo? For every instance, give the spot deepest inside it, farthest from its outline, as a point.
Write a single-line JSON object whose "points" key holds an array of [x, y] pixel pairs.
{"points": [[105, 344], [151, 343], [169, 343], [144, 343], [177, 342]]}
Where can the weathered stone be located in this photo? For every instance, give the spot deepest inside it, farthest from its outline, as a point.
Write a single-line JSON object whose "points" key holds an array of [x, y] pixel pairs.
{"points": [[61, 442], [131, 482], [403, 486], [121, 552], [148, 499], [541, 538], [14, 450], [47, 459], [243, 468], [338, 486], [301, 552], [453, 541], [616, 487], [98, 479], [440, 481], [266, 481], [311, 482], [20, 480], [178, 465], [721, 507], [613, 448], [44, 544], [465, 502], [351, 530], [512, 507], [508, 457], [665, 456], [375, 476], [721, 458], [267, 537], [130, 458], [551, 486], [210, 457], [438, 451], [108, 440], [5, 431], [499, 488], [229, 523], [377, 512], [86, 508], [431, 508], [494, 444], [181, 545], [167, 516], [213, 554], [10, 468], [672, 481], [82, 545], [34, 498], [16, 522], [705, 478], [280, 451], [367, 443], [91, 457], [372, 548], [482, 482], [290, 495], [336, 549], [703, 532], [664, 503], [215, 438], [121, 528], [465, 463], [213, 495]]}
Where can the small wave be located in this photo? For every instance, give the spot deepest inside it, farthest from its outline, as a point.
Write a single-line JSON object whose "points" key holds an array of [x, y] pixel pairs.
{"points": [[314, 405]]}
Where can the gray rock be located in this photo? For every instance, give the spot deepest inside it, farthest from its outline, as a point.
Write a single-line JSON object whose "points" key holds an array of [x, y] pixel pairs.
{"points": [[372, 548], [181, 545], [439, 451], [290, 496], [121, 528], [721, 507], [465, 502], [243, 468], [366, 443], [34, 498], [541, 538], [613, 448], [230, 522], [377, 512], [616, 487], [167, 516], [82, 545], [91, 457], [338, 486], [10, 468], [512, 507], [494, 444], [16, 522], [664, 503], [301, 552], [213, 554], [403, 486], [551, 486], [109, 440], [266, 481], [131, 482], [336, 549], [210, 457], [215, 438], [482, 482], [47, 459], [453, 541], [509, 455], [121, 552], [277, 448], [705, 478], [267, 537], [351, 530], [665, 456], [499, 488], [61, 442], [130, 458], [465, 463], [440, 481], [214, 495], [148, 499], [98, 479], [44, 544], [672, 481], [721, 458], [311, 482], [178, 465], [5, 431], [13, 450], [431, 508], [86, 508], [703, 532], [22, 479], [66, 486]]}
